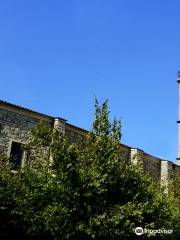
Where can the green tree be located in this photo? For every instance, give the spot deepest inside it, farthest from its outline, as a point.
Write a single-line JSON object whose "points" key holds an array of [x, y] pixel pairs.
{"points": [[91, 190]]}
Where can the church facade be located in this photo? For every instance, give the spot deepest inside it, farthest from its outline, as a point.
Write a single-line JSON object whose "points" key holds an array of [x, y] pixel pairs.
{"points": [[15, 125]]}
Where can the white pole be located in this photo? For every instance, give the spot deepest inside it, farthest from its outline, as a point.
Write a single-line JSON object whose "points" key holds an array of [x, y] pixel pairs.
{"points": [[178, 122]]}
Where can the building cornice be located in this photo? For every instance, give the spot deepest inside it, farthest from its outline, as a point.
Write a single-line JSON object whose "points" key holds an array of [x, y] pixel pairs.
{"points": [[25, 111]]}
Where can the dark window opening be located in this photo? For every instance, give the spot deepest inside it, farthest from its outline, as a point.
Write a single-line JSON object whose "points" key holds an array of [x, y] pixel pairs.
{"points": [[16, 154]]}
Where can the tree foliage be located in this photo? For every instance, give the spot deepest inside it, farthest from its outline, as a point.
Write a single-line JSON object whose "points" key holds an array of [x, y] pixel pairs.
{"points": [[89, 191]]}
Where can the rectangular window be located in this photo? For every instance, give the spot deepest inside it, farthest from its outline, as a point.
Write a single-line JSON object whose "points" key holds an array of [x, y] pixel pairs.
{"points": [[16, 155]]}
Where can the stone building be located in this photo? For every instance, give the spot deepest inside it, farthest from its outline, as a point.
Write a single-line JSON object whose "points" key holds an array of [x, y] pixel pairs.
{"points": [[15, 125], [16, 121]]}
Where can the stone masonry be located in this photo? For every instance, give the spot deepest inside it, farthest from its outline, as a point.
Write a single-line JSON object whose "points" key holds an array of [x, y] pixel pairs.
{"points": [[16, 122]]}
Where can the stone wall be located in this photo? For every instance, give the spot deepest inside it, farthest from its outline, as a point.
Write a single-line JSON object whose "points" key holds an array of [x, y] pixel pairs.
{"points": [[74, 133], [152, 166], [16, 122], [15, 127], [159, 169]]}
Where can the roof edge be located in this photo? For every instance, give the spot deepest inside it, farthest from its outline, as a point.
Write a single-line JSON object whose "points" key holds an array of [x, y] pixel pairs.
{"points": [[27, 110]]}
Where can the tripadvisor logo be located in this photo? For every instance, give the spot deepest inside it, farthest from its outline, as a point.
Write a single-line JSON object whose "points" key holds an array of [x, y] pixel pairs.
{"points": [[139, 231]]}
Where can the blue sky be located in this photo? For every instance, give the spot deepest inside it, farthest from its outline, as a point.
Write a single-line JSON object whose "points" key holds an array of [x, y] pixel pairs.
{"points": [[56, 55]]}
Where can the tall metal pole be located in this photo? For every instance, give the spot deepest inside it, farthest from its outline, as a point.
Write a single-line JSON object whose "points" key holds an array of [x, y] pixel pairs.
{"points": [[178, 121]]}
